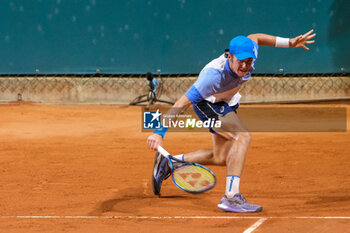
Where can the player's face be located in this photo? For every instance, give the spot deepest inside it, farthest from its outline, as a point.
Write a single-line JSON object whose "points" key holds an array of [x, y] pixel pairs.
{"points": [[240, 67]]}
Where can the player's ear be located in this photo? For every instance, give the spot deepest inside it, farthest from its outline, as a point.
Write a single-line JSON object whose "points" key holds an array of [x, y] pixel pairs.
{"points": [[230, 56]]}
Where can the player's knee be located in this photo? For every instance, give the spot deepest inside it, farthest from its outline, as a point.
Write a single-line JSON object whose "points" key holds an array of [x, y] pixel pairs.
{"points": [[244, 137]]}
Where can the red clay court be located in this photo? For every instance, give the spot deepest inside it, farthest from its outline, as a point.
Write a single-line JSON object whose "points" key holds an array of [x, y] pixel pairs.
{"points": [[87, 168]]}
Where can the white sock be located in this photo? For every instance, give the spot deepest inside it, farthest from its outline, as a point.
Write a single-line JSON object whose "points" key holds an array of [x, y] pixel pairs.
{"points": [[179, 157], [232, 185]]}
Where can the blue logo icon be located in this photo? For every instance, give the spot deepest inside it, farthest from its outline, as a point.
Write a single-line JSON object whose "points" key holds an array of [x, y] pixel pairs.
{"points": [[151, 120]]}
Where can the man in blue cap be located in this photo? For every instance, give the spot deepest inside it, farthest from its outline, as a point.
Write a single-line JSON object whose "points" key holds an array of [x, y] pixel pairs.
{"points": [[215, 95]]}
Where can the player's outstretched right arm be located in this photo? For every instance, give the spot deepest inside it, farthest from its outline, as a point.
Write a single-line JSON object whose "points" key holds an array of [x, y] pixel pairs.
{"points": [[156, 139], [296, 42]]}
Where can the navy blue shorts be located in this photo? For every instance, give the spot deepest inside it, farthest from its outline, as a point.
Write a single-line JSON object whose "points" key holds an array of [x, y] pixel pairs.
{"points": [[206, 110]]}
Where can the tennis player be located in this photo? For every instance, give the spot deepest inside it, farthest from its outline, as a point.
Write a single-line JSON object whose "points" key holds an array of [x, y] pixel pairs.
{"points": [[216, 87]]}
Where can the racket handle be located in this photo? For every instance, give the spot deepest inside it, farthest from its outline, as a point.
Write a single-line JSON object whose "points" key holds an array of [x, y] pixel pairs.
{"points": [[163, 151]]}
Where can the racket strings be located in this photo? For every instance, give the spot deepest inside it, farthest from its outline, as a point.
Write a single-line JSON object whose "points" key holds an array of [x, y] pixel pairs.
{"points": [[193, 178]]}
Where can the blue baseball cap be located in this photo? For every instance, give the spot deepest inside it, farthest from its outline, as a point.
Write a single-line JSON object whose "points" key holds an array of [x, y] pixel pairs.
{"points": [[242, 47]]}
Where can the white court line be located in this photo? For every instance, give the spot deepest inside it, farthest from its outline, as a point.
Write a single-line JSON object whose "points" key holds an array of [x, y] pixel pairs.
{"points": [[169, 217], [255, 225], [329, 217]]}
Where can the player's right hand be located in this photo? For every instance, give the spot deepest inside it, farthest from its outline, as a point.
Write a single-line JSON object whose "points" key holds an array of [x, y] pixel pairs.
{"points": [[302, 40], [154, 141]]}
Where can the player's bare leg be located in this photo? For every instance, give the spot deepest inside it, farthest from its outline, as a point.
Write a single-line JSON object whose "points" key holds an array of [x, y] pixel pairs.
{"points": [[206, 156], [237, 142], [202, 156], [230, 146], [235, 148]]}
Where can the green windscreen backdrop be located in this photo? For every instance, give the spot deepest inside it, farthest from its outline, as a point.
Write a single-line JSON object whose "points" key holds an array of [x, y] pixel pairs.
{"points": [[176, 36]]}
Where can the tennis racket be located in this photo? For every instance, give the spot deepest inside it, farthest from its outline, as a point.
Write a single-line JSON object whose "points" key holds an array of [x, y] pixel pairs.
{"points": [[189, 177]]}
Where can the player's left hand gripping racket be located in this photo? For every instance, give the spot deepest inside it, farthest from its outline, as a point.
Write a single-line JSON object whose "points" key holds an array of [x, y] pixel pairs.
{"points": [[189, 177]]}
